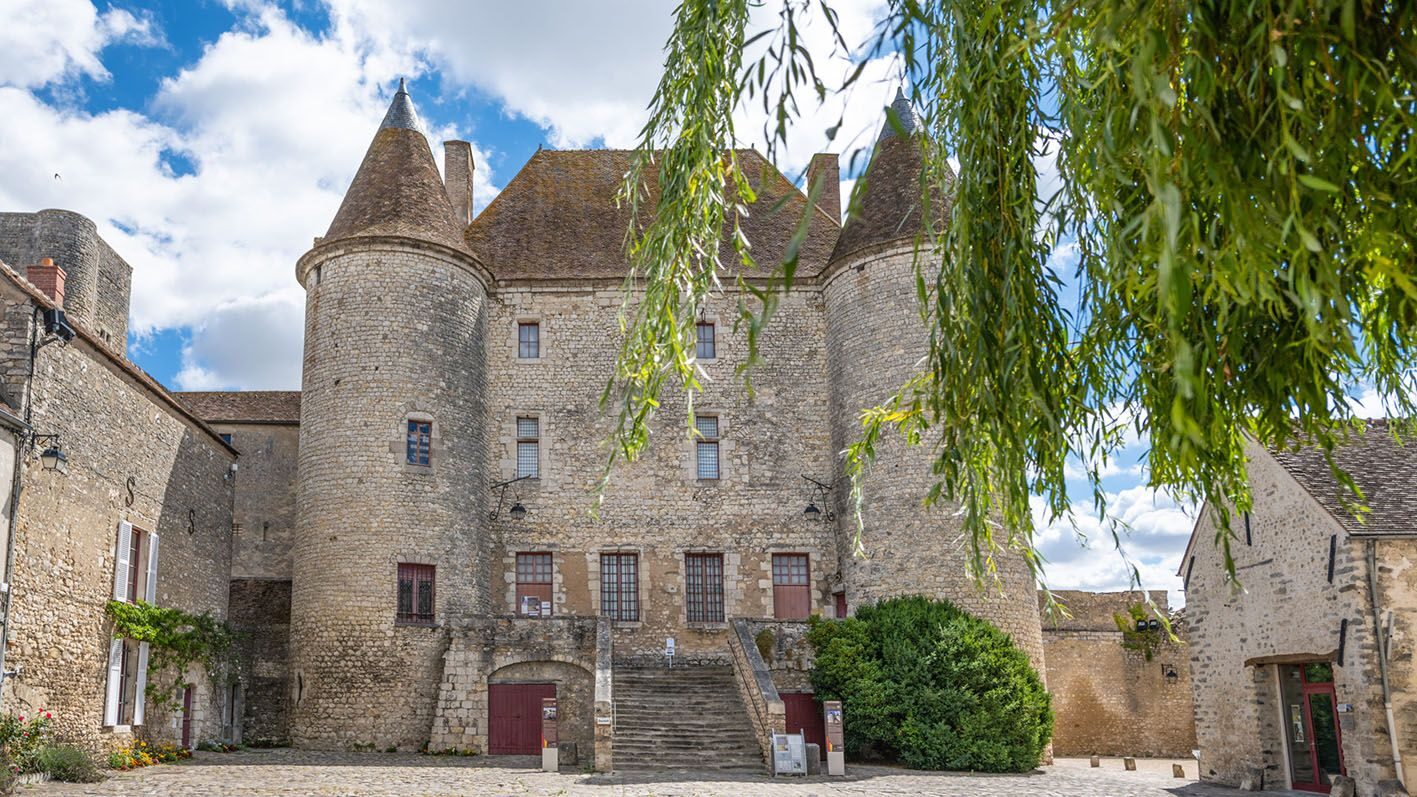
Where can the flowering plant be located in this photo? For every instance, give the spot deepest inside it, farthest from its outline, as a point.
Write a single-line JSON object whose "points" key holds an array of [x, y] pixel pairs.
{"points": [[22, 738], [142, 754]]}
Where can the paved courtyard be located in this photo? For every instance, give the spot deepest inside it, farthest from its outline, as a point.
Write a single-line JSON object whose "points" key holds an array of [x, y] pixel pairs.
{"points": [[272, 773]]}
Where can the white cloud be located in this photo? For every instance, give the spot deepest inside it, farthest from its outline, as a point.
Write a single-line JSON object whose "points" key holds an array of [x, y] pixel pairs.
{"points": [[43, 41], [246, 344]]}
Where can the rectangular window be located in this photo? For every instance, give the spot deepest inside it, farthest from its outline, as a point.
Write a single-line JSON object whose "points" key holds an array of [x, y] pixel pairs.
{"points": [[703, 587], [840, 598], [126, 682], [791, 586], [706, 447], [528, 340], [534, 584], [136, 566], [620, 586], [529, 447], [415, 598], [420, 442], [226, 437], [708, 343]]}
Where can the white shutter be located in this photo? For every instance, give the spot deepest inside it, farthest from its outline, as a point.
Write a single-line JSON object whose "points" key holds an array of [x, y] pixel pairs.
{"points": [[115, 681], [140, 686], [120, 564], [152, 569]]}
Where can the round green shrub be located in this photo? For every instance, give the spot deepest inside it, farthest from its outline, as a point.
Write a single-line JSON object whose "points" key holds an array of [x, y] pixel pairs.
{"points": [[68, 764], [924, 683]]}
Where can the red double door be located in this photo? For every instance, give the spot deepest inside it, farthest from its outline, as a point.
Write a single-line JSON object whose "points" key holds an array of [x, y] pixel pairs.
{"points": [[804, 716], [514, 718]]}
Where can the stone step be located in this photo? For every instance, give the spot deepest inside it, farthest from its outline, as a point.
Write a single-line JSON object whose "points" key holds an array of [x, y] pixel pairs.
{"points": [[684, 718]]}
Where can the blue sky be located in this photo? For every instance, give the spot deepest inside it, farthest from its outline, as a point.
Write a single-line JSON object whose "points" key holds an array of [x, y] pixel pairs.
{"points": [[212, 140]]}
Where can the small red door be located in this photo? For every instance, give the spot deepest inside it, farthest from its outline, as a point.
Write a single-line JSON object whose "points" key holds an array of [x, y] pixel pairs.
{"points": [[514, 718], [187, 716], [804, 716]]}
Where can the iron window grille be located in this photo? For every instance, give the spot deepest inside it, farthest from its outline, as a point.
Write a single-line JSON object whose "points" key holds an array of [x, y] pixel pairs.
{"points": [[528, 448], [703, 593], [707, 348], [620, 586], [415, 597], [528, 340], [420, 442], [706, 447]]}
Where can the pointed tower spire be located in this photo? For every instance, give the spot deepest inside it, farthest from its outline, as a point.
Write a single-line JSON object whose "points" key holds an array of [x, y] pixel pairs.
{"points": [[901, 115], [397, 190]]}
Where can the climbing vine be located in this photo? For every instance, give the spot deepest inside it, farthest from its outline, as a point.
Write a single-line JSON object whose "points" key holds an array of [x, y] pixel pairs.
{"points": [[1138, 635], [176, 640]]}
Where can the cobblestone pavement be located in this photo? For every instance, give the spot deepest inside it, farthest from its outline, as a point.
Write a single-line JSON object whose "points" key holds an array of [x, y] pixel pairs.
{"points": [[279, 773]]}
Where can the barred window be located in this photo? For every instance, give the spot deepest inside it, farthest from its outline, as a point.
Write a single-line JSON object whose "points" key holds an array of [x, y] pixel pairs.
{"points": [[703, 592], [528, 340], [529, 447], [420, 442], [620, 586], [415, 597], [707, 343], [706, 447], [533, 583]]}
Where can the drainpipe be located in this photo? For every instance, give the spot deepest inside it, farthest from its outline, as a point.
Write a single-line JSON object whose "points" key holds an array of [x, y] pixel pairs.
{"points": [[1371, 546]]}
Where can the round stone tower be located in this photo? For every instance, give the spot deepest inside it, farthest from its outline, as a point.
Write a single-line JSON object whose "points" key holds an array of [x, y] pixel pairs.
{"points": [[875, 341], [390, 549]]}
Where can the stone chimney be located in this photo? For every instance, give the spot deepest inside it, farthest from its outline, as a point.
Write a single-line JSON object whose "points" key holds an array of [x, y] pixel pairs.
{"points": [[457, 178], [826, 168], [49, 278]]}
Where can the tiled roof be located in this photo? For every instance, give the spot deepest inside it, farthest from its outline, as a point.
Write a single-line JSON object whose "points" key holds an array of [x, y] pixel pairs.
{"points": [[397, 190], [1383, 468], [889, 205], [558, 219], [244, 406]]}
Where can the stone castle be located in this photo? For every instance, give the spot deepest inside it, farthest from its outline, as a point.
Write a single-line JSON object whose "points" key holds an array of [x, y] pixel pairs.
{"points": [[408, 544]]}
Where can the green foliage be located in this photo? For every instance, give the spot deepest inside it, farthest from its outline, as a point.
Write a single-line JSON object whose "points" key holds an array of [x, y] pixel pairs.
{"points": [[1236, 180], [68, 764], [176, 640], [22, 740], [1143, 642], [765, 642], [929, 685]]}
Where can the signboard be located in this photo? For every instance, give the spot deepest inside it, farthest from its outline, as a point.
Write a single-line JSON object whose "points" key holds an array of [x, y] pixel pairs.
{"points": [[531, 606], [789, 754], [669, 646], [548, 722], [832, 711]]}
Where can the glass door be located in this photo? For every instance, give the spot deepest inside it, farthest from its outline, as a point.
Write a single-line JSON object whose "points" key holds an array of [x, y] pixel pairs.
{"points": [[1311, 724]]}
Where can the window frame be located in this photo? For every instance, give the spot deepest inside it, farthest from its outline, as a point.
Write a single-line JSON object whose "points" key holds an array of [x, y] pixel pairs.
{"points": [[791, 585], [620, 595], [704, 588], [534, 442], [532, 586], [704, 443], [712, 328], [533, 340], [418, 443], [409, 572]]}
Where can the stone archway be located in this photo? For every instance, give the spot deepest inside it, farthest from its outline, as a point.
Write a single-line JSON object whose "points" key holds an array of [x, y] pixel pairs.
{"points": [[575, 695]]}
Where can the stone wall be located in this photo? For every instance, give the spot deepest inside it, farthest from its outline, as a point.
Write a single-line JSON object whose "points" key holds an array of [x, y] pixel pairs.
{"points": [[656, 507], [392, 332], [751, 672], [265, 498], [875, 340], [1284, 609], [98, 281], [132, 456], [1109, 700], [559, 650], [260, 612]]}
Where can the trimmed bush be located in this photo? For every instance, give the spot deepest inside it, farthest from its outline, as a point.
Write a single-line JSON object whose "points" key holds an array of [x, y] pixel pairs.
{"points": [[926, 684], [68, 764]]}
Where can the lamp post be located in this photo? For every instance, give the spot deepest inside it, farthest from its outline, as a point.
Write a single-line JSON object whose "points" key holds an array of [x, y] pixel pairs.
{"points": [[517, 511]]}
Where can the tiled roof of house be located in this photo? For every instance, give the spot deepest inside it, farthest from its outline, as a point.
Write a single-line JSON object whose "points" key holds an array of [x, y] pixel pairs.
{"points": [[244, 406], [558, 219], [397, 190], [1384, 468], [889, 206]]}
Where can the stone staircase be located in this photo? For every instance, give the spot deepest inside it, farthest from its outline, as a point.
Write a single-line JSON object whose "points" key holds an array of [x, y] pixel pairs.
{"points": [[688, 717]]}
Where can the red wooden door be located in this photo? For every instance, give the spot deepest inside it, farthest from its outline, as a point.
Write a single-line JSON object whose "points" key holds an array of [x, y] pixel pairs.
{"points": [[804, 716], [187, 716], [514, 718]]}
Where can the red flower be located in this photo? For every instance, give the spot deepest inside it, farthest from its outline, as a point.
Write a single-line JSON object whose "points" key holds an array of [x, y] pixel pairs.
{"points": [[22, 719], [48, 716]]}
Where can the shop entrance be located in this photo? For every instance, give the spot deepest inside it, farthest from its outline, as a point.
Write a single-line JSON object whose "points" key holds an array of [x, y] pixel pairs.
{"points": [[1311, 725]]}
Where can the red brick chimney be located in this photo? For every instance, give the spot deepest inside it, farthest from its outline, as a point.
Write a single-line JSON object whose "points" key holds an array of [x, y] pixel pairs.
{"points": [[49, 278]]}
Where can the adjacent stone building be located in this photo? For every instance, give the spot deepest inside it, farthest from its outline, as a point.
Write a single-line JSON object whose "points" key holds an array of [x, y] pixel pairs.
{"points": [[1116, 693], [1291, 685], [113, 490]]}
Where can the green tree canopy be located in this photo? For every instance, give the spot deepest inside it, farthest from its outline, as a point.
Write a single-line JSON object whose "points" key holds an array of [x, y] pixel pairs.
{"points": [[1238, 179]]}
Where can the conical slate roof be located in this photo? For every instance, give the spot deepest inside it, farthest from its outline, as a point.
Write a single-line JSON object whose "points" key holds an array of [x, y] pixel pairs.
{"points": [[397, 190], [890, 202]]}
